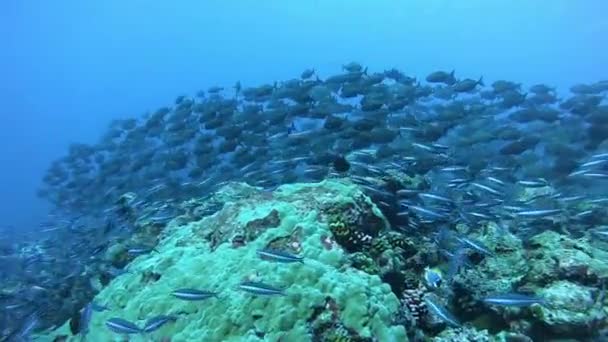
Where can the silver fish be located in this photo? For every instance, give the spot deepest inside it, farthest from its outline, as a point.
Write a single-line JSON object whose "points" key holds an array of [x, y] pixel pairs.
{"points": [[193, 294], [258, 288], [441, 312], [278, 256], [85, 319], [537, 213], [121, 326], [487, 189], [512, 299]]}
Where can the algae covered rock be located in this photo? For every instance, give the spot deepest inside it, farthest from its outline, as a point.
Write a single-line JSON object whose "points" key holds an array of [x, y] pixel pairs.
{"points": [[570, 308], [324, 298], [462, 334], [558, 257], [499, 273]]}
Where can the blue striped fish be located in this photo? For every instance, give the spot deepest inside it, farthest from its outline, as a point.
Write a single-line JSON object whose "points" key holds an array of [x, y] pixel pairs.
{"points": [[122, 326], [260, 289], [278, 256], [193, 294]]}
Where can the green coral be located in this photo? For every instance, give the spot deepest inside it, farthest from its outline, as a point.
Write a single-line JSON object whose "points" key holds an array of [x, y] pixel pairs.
{"points": [[463, 334], [364, 263], [501, 273], [557, 256], [354, 224], [393, 240], [570, 308], [364, 305]]}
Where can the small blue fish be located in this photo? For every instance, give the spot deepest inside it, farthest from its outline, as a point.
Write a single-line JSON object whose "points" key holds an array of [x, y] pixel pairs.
{"points": [[155, 323], [99, 307], [193, 294], [85, 319], [537, 183], [279, 256], [121, 326], [475, 245], [441, 312], [140, 250], [27, 327], [424, 212], [537, 213], [513, 299], [260, 289]]}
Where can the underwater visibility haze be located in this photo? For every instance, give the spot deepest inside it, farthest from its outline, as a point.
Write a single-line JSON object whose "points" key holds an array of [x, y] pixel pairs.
{"points": [[304, 171]]}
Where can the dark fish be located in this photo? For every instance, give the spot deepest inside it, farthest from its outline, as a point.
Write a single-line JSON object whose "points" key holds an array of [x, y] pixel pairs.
{"points": [[279, 256], [308, 73], [340, 164], [467, 85], [352, 67], [121, 326], [541, 89], [258, 288], [441, 77], [519, 146], [193, 294]]}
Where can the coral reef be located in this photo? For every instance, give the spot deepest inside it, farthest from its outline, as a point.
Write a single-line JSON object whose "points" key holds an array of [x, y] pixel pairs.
{"points": [[462, 334], [324, 298], [557, 256], [359, 281], [571, 307]]}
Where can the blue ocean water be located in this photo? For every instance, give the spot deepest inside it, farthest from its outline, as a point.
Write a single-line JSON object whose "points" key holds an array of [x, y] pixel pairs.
{"points": [[68, 67], [474, 127]]}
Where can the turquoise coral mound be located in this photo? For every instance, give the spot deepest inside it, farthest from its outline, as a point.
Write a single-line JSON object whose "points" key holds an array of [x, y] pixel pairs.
{"points": [[324, 298]]}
